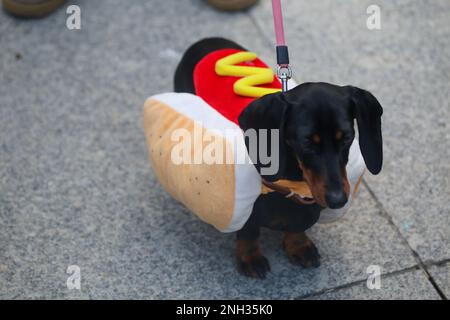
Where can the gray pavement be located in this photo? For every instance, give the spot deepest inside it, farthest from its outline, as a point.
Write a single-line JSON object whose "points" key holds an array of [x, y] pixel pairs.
{"points": [[76, 187]]}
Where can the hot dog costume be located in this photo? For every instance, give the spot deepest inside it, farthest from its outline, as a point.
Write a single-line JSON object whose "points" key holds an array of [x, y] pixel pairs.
{"points": [[220, 192]]}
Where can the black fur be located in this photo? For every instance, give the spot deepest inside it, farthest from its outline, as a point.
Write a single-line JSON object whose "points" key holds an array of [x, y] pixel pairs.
{"points": [[309, 109]]}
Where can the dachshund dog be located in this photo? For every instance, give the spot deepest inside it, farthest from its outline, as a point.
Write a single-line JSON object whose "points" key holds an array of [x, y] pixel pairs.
{"points": [[316, 129]]}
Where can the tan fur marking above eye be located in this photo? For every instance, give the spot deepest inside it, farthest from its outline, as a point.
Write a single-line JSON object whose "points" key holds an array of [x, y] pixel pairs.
{"points": [[339, 135], [316, 138]]}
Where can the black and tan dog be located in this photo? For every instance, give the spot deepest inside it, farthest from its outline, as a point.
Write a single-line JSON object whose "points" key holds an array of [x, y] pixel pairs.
{"points": [[316, 125]]}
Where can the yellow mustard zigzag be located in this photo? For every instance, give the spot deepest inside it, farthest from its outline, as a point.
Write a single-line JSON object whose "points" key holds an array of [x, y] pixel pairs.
{"points": [[253, 76]]}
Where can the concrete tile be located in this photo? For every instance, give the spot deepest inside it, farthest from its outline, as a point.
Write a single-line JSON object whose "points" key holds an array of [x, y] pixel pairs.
{"points": [[441, 275], [78, 189], [404, 65], [132, 241], [132, 48], [76, 186], [411, 285]]}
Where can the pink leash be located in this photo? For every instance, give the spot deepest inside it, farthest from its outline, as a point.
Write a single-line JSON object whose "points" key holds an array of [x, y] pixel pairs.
{"points": [[278, 21], [284, 72]]}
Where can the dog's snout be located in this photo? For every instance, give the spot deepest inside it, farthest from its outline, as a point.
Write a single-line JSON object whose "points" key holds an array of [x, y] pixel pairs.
{"points": [[336, 199]]}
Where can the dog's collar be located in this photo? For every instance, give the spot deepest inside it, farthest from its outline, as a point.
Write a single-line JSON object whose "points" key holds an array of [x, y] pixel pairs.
{"points": [[288, 193]]}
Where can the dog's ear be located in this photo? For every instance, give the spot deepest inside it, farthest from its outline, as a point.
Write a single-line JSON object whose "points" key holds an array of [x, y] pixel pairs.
{"points": [[269, 113], [367, 111]]}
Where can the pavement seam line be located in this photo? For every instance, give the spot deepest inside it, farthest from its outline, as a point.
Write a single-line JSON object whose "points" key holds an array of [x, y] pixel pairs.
{"points": [[260, 30], [357, 282], [423, 266], [439, 263]]}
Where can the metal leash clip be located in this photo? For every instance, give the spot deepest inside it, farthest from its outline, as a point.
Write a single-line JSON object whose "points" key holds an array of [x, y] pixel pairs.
{"points": [[284, 73]]}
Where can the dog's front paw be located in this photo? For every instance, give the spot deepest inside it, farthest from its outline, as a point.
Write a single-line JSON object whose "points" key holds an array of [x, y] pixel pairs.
{"points": [[301, 250], [256, 267], [250, 261]]}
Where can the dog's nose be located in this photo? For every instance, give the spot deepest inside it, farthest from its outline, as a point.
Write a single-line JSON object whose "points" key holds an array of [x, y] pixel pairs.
{"points": [[336, 199]]}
